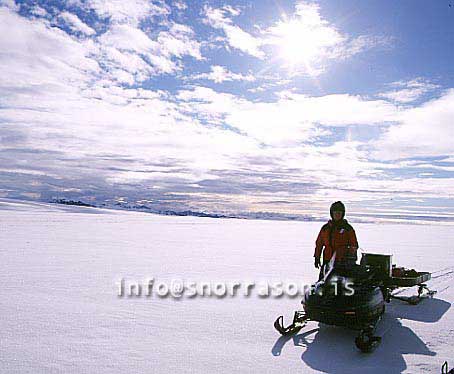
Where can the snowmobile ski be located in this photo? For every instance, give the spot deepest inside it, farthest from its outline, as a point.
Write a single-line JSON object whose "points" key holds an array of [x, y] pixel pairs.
{"points": [[423, 293], [299, 321]]}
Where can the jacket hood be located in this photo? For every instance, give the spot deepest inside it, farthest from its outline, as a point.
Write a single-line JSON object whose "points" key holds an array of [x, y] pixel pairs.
{"points": [[338, 205]]}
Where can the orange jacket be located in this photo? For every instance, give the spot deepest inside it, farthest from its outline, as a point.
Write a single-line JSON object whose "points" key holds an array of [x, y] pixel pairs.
{"points": [[339, 238]]}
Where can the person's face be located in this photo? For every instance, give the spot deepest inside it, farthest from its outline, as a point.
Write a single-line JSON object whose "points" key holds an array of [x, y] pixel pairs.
{"points": [[337, 215]]}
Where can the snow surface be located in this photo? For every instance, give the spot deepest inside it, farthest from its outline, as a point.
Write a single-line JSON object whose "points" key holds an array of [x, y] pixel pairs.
{"points": [[60, 312]]}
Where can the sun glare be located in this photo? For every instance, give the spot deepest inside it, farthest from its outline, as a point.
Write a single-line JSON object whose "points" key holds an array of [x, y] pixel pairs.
{"points": [[305, 43], [296, 48]]}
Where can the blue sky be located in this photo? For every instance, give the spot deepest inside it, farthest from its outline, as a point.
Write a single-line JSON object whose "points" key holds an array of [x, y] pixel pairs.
{"points": [[279, 106]]}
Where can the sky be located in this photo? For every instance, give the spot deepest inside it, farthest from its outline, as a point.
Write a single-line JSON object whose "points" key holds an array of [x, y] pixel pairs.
{"points": [[229, 106]]}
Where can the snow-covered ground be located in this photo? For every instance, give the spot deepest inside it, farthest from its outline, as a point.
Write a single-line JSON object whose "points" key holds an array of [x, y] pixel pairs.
{"points": [[60, 312]]}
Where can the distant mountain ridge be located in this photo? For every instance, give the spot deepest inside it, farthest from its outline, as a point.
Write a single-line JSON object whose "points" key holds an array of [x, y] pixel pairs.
{"points": [[365, 217]]}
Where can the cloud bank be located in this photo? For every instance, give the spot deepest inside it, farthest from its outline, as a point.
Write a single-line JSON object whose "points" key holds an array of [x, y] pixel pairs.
{"points": [[105, 100]]}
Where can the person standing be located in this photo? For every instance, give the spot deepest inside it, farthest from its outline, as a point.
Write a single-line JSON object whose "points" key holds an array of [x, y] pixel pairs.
{"points": [[337, 237]]}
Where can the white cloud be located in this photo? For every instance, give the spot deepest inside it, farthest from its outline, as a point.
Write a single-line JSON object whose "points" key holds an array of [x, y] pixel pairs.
{"points": [[38, 11], [219, 74], [11, 4], [408, 91], [179, 41], [180, 5], [219, 18], [127, 53], [292, 119], [406, 95], [295, 118], [129, 123], [57, 58], [128, 38], [231, 10], [432, 187], [126, 67], [121, 11], [149, 57], [76, 24], [65, 104], [272, 83], [426, 130], [354, 45]]}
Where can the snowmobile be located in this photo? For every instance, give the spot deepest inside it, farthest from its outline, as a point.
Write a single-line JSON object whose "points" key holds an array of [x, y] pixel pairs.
{"points": [[355, 296]]}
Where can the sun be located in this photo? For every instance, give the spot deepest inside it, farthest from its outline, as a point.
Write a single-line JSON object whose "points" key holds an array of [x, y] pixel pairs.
{"points": [[297, 44], [305, 42]]}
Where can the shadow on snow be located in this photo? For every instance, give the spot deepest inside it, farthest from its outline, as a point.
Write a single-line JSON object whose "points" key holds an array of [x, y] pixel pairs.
{"points": [[332, 349]]}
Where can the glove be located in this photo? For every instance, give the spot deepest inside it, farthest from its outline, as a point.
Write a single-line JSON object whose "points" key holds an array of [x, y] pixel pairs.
{"points": [[317, 262]]}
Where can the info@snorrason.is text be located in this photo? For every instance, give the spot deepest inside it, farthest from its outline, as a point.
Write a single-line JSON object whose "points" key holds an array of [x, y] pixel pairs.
{"points": [[177, 288]]}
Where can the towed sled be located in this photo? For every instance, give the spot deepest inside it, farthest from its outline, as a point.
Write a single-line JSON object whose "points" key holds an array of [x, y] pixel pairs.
{"points": [[354, 296]]}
